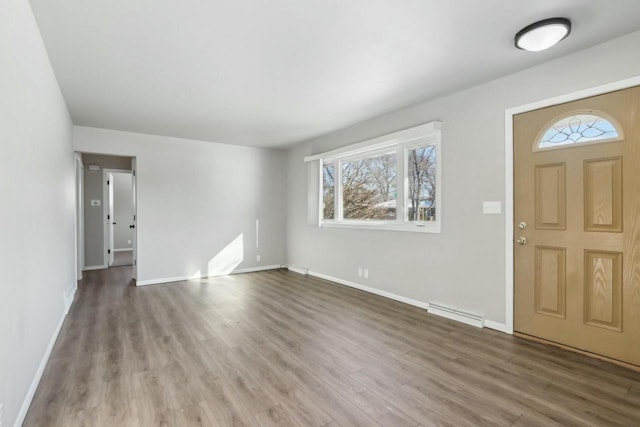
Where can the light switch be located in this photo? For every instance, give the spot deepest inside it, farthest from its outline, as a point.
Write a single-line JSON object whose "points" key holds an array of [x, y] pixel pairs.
{"points": [[492, 208]]}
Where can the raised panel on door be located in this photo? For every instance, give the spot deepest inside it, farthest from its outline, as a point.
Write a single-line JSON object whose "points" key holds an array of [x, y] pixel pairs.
{"points": [[603, 289], [550, 281], [550, 196], [603, 195]]}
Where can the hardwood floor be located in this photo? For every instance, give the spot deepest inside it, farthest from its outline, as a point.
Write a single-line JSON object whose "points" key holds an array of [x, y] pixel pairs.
{"points": [[281, 349]]}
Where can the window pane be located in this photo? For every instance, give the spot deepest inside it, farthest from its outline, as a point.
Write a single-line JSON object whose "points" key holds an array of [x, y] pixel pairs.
{"points": [[328, 186], [578, 129], [369, 188], [422, 184]]}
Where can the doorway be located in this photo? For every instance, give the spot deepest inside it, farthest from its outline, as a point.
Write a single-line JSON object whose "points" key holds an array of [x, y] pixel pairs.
{"points": [[109, 208], [577, 225]]}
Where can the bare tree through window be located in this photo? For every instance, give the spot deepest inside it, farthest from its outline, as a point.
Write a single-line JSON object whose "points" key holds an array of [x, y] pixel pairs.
{"points": [[367, 185], [328, 192], [422, 183]]}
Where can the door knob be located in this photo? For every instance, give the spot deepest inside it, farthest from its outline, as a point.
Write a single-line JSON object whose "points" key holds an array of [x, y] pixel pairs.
{"points": [[522, 225], [522, 240]]}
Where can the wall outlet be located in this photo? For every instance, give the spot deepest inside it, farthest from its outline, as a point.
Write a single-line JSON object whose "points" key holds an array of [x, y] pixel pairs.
{"points": [[128, 242], [359, 272], [258, 258], [366, 273]]}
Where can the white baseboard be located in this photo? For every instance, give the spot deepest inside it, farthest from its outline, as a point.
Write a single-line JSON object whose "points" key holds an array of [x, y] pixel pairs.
{"points": [[167, 280], [298, 270], [204, 276], [68, 300], [94, 267], [495, 325], [461, 318], [369, 289], [123, 250]]}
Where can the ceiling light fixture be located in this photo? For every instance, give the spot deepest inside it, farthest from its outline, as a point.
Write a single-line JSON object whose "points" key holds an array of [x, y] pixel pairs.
{"points": [[543, 34]]}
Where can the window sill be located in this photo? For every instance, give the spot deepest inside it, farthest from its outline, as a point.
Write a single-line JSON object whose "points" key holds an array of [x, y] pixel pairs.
{"points": [[425, 227]]}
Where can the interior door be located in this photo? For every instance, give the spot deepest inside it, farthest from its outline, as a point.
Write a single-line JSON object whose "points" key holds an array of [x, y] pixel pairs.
{"points": [[134, 225], [110, 218], [577, 224]]}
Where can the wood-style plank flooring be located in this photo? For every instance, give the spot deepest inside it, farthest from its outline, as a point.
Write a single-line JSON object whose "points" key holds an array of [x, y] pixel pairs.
{"points": [[281, 349]]}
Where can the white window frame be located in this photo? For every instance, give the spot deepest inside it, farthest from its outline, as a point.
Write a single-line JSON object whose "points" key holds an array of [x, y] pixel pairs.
{"points": [[399, 142]]}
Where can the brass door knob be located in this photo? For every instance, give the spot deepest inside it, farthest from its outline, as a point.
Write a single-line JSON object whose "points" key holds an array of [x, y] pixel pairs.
{"points": [[522, 240]]}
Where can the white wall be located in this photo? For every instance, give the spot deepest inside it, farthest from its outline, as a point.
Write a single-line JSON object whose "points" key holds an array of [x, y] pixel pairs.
{"points": [[198, 202], [37, 255], [122, 210], [464, 266]]}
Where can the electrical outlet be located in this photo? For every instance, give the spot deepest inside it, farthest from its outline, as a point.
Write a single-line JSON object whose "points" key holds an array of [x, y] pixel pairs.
{"points": [[258, 258], [128, 242], [366, 273], [359, 272]]}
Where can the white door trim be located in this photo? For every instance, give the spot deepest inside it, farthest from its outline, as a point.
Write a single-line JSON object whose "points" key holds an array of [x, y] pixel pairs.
{"points": [[79, 187], [134, 200], [105, 210], [508, 154]]}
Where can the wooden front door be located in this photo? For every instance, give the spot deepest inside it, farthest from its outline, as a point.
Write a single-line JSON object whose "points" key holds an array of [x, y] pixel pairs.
{"points": [[577, 224]]}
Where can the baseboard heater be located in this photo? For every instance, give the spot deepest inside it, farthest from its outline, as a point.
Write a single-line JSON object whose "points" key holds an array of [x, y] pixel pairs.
{"points": [[454, 313]]}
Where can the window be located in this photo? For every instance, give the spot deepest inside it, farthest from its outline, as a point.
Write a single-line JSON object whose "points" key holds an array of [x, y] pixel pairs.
{"points": [[328, 190], [422, 183], [579, 127], [389, 183]]}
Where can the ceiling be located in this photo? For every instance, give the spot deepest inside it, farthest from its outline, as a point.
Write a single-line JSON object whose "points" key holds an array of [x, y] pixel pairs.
{"points": [[271, 73]]}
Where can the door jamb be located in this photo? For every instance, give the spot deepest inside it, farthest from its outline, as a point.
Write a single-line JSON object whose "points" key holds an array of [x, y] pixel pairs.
{"points": [[79, 189], [105, 210], [508, 150]]}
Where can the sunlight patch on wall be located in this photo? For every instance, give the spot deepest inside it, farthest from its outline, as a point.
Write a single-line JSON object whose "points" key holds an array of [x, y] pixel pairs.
{"points": [[228, 258]]}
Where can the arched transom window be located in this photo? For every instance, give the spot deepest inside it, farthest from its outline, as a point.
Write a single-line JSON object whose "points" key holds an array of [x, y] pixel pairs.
{"points": [[578, 127]]}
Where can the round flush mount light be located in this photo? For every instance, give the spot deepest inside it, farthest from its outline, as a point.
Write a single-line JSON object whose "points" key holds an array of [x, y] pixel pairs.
{"points": [[543, 34]]}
